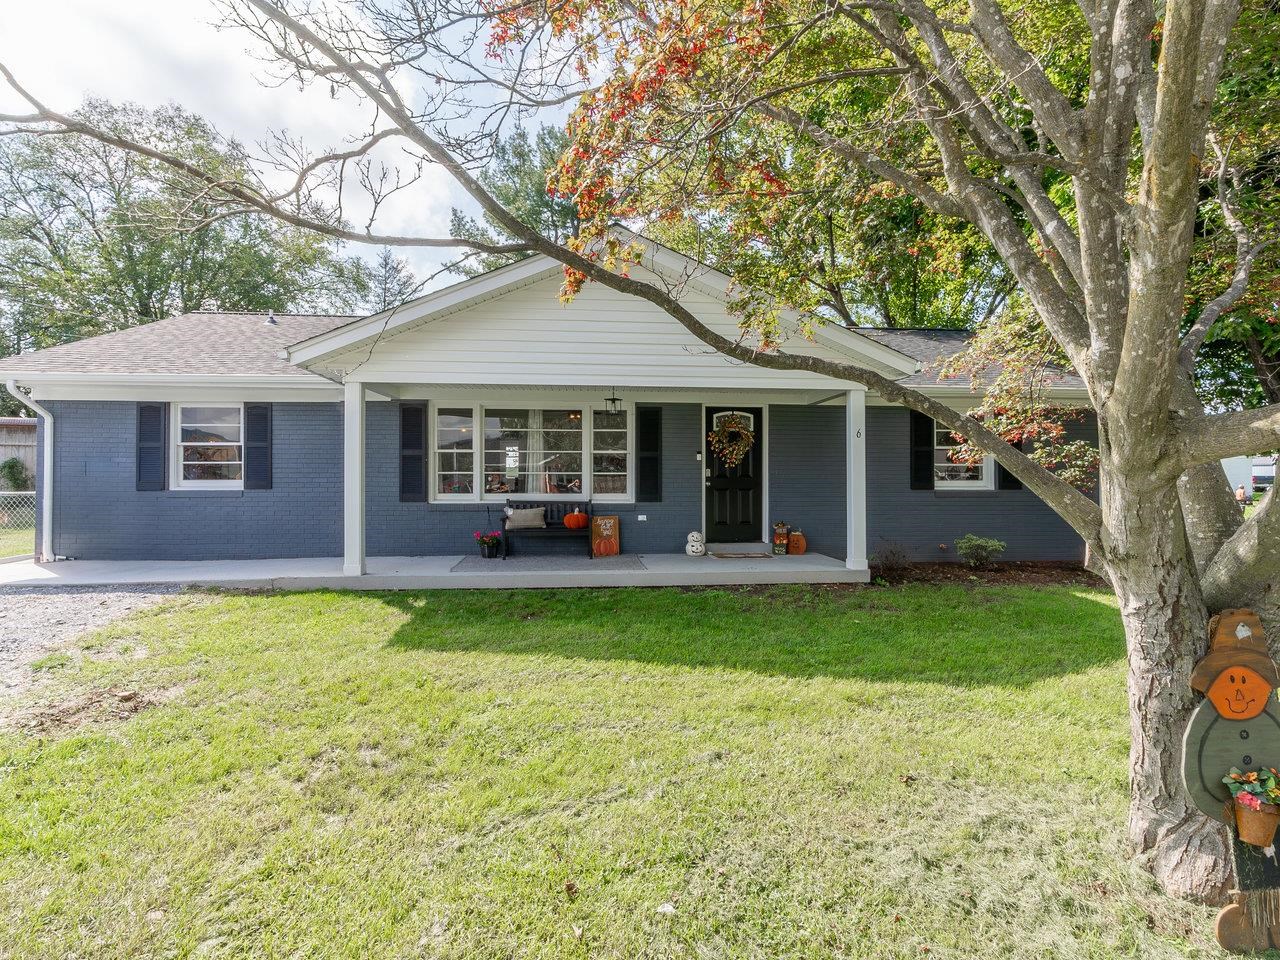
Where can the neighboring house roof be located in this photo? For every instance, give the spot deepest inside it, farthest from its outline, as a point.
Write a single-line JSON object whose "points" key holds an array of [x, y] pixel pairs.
{"points": [[18, 422], [195, 344], [931, 346]]}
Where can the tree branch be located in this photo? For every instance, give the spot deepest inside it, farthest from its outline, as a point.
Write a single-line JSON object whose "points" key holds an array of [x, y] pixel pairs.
{"points": [[1078, 510], [1247, 566], [253, 199], [1221, 435]]}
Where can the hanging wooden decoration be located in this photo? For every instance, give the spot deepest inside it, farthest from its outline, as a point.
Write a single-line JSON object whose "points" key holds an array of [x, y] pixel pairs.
{"points": [[1230, 754], [732, 439]]}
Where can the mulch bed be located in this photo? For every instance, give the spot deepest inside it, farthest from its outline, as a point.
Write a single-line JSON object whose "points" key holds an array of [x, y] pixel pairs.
{"points": [[1000, 574], [1025, 574]]}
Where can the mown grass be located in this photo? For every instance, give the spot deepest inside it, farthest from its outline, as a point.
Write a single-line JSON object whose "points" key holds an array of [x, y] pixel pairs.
{"points": [[16, 543], [883, 773]]}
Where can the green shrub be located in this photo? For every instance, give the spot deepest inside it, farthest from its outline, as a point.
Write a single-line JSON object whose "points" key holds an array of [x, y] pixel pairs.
{"points": [[979, 552], [15, 473]]}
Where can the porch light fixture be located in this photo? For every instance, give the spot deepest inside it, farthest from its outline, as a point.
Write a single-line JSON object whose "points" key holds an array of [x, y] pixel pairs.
{"points": [[612, 404]]}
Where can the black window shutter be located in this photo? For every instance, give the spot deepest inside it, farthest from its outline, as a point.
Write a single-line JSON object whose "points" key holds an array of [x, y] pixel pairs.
{"points": [[648, 454], [922, 441], [257, 446], [153, 444], [1006, 480], [413, 452]]}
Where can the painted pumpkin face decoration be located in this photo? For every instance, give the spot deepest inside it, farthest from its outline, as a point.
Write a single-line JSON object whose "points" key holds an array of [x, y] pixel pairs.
{"points": [[1239, 693]]}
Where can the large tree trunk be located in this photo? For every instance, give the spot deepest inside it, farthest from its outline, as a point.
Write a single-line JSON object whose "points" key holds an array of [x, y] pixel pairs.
{"points": [[1165, 622]]}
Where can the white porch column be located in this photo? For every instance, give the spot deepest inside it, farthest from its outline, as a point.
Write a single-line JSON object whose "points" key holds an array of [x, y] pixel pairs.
{"points": [[353, 479], [855, 443]]}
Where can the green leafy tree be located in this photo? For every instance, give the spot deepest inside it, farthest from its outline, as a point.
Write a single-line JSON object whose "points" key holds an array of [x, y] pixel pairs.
{"points": [[392, 282], [518, 172], [94, 239]]}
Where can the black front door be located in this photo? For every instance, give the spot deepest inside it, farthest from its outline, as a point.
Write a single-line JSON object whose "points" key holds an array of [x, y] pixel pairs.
{"points": [[734, 510]]}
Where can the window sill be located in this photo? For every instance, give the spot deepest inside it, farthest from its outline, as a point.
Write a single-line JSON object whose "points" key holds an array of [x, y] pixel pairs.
{"points": [[597, 506], [196, 493], [962, 493]]}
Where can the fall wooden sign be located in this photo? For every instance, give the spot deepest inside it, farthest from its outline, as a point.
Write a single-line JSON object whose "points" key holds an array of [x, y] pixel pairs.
{"points": [[606, 536]]}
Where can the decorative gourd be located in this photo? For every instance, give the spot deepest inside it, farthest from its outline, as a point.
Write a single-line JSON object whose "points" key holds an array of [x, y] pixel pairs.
{"points": [[576, 520]]}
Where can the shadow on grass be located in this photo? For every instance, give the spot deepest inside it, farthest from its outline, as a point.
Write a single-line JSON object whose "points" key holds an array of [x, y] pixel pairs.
{"points": [[1004, 636]]}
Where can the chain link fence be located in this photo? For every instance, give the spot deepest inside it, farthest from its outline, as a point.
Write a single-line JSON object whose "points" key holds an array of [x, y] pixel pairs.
{"points": [[17, 524]]}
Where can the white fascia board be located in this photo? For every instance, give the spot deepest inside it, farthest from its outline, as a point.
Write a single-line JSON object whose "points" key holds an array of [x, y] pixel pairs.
{"points": [[142, 386], [455, 297]]}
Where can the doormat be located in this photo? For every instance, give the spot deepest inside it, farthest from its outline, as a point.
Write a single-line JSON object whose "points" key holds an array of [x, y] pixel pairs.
{"points": [[547, 563], [743, 556]]}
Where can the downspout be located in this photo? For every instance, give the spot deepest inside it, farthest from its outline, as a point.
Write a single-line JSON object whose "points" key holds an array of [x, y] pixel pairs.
{"points": [[46, 475]]}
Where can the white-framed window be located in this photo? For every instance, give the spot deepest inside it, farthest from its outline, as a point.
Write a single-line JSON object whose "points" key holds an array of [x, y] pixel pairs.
{"points": [[453, 453], [553, 451], [950, 474], [208, 446], [610, 453]]}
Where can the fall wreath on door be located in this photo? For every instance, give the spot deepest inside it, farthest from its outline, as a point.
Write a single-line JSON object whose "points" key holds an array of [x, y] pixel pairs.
{"points": [[732, 438]]}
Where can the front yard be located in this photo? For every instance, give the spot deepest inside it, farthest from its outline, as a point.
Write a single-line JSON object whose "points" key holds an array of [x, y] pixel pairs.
{"points": [[894, 772]]}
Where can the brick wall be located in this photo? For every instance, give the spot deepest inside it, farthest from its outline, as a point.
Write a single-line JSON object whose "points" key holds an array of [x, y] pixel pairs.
{"points": [[100, 515], [920, 520], [806, 473], [397, 529]]}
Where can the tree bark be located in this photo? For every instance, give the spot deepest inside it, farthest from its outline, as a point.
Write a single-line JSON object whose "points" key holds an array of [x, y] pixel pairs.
{"points": [[1149, 562]]}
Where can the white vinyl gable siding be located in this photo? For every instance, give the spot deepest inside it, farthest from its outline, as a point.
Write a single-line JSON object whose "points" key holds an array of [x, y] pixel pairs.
{"points": [[527, 337]]}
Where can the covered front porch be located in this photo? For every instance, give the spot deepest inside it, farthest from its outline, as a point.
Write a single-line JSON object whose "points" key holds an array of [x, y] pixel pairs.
{"points": [[426, 465], [450, 572]]}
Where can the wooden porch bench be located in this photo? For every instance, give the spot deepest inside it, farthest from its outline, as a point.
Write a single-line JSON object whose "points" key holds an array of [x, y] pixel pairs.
{"points": [[556, 511]]}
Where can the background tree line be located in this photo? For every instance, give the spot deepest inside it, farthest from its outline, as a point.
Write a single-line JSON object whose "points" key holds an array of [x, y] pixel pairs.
{"points": [[95, 239]]}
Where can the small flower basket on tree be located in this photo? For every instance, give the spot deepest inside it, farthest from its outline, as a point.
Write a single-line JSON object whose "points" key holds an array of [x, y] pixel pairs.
{"points": [[1257, 804]]}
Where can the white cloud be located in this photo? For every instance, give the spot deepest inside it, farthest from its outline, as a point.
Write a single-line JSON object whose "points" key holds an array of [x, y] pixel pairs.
{"points": [[154, 52]]}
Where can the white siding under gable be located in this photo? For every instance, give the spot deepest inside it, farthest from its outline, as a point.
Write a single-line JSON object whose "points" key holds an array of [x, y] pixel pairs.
{"points": [[527, 337]]}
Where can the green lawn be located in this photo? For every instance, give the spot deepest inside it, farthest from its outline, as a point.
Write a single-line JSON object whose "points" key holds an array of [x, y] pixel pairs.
{"points": [[15, 543], [798, 773]]}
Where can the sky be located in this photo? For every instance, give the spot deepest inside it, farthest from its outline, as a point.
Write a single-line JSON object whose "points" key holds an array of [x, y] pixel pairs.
{"points": [[154, 52]]}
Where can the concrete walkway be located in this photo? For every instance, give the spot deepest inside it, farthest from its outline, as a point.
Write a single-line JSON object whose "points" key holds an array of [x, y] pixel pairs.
{"points": [[421, 573]]}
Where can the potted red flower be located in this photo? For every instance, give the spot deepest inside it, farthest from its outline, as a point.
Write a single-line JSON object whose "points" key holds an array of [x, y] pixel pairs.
{"points": [[1257, 804], [489, 543]]}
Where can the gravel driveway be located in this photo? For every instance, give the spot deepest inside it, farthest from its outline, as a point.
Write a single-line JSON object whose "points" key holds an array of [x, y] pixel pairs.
{"points": [[35, 620]]}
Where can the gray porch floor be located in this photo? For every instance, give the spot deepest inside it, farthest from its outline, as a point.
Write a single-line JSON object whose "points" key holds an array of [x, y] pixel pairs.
{"points": [[421, 573]]}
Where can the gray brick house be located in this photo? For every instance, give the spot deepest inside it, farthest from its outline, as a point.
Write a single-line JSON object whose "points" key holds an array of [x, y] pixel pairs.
{"points": [[244, 436]]}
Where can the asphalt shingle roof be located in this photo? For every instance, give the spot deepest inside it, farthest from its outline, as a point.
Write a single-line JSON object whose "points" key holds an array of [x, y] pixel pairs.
{"points": [[245, 344], [930, 347], [198, 344]]}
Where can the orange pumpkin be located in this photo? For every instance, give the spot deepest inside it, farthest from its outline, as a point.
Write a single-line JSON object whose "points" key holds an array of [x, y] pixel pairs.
{"points": [[576, 520]]}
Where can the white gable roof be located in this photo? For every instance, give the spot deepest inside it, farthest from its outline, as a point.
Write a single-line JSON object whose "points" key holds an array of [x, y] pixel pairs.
{"points": [[509, 327]]}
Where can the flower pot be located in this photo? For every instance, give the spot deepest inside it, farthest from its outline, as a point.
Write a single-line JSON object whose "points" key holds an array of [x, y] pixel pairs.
{"points": [[489, 550], [1257, 827]]}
